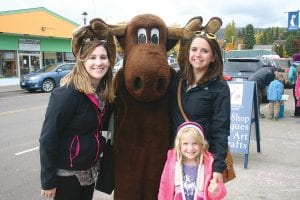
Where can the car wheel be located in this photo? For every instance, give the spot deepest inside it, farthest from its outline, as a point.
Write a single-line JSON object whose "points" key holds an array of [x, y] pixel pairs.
{"points": [[48, 85]]}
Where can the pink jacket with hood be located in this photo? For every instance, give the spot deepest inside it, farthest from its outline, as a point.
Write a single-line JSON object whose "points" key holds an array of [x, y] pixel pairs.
{"points": [[167, 189]]}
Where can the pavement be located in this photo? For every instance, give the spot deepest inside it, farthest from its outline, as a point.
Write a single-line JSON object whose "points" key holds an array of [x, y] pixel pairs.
{"points": [[9, 84], [271, 174]]}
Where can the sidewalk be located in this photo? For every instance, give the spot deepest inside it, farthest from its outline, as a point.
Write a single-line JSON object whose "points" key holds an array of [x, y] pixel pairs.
{"points": [[9, 84], [272, 174]]}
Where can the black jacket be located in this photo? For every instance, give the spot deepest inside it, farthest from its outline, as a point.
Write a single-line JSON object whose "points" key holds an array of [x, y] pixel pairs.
{"points": [[69, 138], [208, 105]]}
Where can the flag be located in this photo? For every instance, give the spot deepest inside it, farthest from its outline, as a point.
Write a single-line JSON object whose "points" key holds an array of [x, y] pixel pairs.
{"points": [[293, 21]]}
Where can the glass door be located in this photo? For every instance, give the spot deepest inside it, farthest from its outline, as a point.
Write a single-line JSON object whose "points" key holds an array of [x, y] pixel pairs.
{"points": [[34, 63], [29, 63], [24, 64]]}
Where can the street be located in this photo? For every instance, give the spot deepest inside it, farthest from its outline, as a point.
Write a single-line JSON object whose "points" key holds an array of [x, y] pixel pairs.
{"points": [[21, 115], [274, 173]]}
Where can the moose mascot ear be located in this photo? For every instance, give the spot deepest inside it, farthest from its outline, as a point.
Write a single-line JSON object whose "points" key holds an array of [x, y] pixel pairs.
{"points": [[97, 29], [195, 24]]}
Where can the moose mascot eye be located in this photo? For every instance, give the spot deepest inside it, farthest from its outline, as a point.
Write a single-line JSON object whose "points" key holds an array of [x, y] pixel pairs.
{"points": [[142, 36], [155, 36]]}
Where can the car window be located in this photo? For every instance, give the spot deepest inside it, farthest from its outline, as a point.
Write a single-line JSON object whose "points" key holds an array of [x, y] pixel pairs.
{"points": [[50, 68], [66, 67], [282, 63], [242, 65], [119, 63]]}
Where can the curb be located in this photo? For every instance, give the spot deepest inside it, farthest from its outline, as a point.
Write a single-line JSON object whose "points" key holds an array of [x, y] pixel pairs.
{"points": [[10, 88]]}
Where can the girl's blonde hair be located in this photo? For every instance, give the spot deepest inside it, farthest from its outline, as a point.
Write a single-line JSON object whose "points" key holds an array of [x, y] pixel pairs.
{"points": [[190, 129], [79, 78]]}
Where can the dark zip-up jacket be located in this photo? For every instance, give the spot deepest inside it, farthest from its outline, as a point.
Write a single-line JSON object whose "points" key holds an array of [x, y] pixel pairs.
{"points": [[69, 137], [208, 105]]}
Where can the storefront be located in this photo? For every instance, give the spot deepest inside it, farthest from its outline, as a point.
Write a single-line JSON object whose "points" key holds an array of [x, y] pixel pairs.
{"points": [[28, 49]]}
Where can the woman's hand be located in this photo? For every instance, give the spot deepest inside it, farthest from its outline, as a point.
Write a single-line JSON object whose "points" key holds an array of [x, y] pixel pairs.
{"points": [[218, 177], [48, 193], [213, 187]]}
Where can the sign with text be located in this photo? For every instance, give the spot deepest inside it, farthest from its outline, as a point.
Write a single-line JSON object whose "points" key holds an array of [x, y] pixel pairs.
{"points": [[293, 21], [29, 44], [241, 94]]}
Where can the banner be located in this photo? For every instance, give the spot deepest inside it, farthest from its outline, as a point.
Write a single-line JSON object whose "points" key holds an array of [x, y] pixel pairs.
{"points": [[293, 21]]}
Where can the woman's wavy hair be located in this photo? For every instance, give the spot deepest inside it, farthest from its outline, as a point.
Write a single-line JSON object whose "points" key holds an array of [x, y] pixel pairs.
{"points": [[79, 78], [214, 70]]}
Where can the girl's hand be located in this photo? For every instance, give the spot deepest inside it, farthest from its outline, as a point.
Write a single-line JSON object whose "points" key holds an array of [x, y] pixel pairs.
{"points": [[213, 187], [48, 193]]}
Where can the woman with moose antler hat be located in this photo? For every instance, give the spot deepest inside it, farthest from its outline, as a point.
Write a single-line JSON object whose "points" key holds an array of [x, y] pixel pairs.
{"points": [[70, 140], [204, 95]]}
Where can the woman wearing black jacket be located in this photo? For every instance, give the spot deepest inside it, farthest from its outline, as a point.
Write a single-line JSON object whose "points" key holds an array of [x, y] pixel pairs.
{"points": [[205, 96], [70, 140]]}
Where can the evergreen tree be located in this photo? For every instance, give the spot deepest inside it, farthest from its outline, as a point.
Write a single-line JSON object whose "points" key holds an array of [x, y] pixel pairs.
{"points": [[249, 39]]}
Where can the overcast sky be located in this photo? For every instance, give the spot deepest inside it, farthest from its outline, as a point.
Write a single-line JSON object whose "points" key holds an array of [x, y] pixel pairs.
{"points": [[259, 13]]}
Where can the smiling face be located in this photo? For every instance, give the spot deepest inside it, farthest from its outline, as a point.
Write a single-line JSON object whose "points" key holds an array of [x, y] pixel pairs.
{"points": [[97, 65], [200, 55], [190, 149]]}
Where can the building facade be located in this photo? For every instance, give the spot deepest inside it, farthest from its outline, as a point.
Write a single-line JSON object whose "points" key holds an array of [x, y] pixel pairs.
{"points": [[33, 38]]}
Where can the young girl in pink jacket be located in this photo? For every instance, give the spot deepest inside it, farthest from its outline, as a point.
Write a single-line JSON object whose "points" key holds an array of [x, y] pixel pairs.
{"points": [[187, 174]]}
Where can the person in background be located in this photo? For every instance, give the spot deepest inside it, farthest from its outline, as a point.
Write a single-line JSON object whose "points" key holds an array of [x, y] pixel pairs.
{"points": [[274, 95], [292, 76], [205, 96], [70, 142], [297, 94], [263, 78], [188, 170]]}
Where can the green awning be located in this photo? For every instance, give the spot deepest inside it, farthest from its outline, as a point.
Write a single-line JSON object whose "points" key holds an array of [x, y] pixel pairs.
{"points": [[11, 42]]}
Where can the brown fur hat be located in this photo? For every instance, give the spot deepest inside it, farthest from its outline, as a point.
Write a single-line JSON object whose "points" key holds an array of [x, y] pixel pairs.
{"points": [[96, 29]]}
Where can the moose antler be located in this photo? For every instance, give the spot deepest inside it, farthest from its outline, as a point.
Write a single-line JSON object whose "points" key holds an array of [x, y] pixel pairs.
{"points": [[213, 25]]}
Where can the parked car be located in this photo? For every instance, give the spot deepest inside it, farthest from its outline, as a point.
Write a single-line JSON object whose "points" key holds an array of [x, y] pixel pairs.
{"points": [[227, 77], [172, 61], [241, 68], [118, 66], [45, 79]]}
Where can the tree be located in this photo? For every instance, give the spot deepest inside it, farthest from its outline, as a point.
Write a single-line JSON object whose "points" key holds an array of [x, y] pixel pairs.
{"points": [[289, 46], [230, 32], [249, 39], [269, 35], [292, 43]]}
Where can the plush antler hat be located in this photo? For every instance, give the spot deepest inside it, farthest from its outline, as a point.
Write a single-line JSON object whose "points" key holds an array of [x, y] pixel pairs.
{"points": [[96, 29]]}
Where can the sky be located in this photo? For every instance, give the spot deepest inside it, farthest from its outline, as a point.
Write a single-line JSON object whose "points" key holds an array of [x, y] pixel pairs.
{"points": [[259, 13]]}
